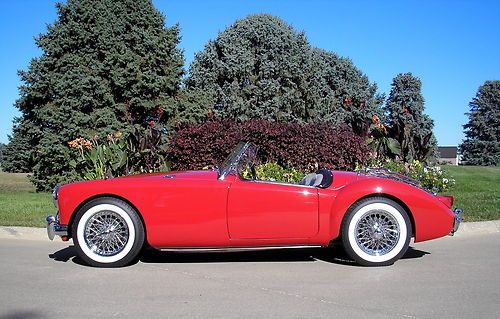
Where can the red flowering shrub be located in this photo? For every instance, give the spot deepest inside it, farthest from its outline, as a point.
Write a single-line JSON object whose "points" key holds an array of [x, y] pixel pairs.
{"points": [[304, 147]]}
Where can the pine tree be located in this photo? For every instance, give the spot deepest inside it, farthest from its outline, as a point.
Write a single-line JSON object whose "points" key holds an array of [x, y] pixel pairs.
{"points": [[408, 124], [482, 132], [105, 66], [260, 67], [343, 94], [2, 151], [17, 154]]}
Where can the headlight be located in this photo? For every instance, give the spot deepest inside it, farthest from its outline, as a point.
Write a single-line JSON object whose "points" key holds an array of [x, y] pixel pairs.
{"points": [[55, 195]]}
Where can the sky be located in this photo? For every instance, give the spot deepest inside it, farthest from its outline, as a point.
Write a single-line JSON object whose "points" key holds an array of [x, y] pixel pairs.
{"points": [[452, 46]]}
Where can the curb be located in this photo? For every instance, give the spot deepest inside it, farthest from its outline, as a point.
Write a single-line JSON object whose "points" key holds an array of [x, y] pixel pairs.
{"points": [[478, 228], [26, 233], [32, 233]]}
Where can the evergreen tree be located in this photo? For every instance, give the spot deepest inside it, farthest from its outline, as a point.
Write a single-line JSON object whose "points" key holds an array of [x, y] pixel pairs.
{"points": [[17, 154], [260, 67], [342, 94], [105, 66], [2, 151], [482, 132], [408, 124]]}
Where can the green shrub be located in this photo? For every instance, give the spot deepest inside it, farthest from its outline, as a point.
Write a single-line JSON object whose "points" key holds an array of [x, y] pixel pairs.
{"points": [[275, 173], [432, 178], [95, 159], [304, 146]]}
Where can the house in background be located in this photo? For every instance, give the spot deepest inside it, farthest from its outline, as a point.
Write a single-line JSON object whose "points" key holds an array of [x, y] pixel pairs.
{"points": [[449, 155]]}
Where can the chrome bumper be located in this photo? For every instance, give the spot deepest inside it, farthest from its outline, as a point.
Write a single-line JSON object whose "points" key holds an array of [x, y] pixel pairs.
{"points": [[53, 228], [456, 222]]}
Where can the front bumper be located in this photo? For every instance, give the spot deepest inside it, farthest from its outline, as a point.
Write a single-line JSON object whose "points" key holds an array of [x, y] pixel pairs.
{"points": [[457, 220], [53, 228]]}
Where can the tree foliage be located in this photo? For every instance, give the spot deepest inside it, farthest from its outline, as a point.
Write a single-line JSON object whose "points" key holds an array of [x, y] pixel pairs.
{"points": [[482, 132], [2, 151], [17, 154], [407, 123], [106, 65], [260, 67]]}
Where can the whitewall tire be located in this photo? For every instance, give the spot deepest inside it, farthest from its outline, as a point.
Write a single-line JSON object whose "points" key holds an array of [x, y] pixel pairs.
{"points": [[108, 232], [376, 232]]}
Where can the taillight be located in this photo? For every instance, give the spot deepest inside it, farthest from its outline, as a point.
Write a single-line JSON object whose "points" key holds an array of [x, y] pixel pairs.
{"points": [[447, 200]]}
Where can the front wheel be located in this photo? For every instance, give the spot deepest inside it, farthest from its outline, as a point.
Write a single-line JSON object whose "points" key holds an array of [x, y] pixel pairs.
{"points": [[376, 232], [108, 232]]}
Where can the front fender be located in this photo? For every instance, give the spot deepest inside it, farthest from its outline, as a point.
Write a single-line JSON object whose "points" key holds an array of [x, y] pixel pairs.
{"points": [[431, 217]]}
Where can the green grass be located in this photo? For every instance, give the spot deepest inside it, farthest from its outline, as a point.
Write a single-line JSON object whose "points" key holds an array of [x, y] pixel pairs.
{"points": [[20, 205], [477, 191]]}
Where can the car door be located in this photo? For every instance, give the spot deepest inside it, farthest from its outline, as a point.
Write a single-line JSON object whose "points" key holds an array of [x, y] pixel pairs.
{"points": [[260, 210]]}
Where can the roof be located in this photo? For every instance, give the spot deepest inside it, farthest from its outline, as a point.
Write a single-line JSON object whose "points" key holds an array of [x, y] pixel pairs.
{"points": [[447, 151]]}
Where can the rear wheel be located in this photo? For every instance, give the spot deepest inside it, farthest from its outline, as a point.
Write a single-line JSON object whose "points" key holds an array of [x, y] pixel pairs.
{"points": [[108, 232], [376, 232]]}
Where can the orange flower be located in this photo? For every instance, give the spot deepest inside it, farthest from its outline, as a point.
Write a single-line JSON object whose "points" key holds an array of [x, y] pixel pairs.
{"points": [[80, 144]]}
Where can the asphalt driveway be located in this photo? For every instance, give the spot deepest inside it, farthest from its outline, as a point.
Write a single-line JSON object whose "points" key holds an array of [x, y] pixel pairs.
{"points": [[446, 278]]}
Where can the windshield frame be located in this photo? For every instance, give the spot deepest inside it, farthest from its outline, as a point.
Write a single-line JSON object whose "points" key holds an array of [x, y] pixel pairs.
{"points": [[244, 154]]}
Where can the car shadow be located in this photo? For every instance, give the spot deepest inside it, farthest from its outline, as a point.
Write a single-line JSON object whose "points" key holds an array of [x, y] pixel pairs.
{"points": [[67, 254], [334, 255], [23, 314]]}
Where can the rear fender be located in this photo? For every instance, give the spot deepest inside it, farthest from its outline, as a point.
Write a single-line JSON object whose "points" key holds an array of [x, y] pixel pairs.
{"points": [[431, 218]]}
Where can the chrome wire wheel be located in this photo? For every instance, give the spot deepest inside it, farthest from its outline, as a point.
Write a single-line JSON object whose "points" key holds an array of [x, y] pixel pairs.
{"points": [[377, 232], [106, 233]]}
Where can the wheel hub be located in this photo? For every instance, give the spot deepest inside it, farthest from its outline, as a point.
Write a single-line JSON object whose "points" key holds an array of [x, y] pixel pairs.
{"points": [[106, 233], [377, 232]]}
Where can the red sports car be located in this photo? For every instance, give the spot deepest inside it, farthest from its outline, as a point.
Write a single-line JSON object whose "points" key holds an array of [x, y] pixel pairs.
{"points": [[373, 214]]}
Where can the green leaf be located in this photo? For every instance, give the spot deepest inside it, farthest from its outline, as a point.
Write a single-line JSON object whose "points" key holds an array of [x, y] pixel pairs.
{"points": [[394, 146]]}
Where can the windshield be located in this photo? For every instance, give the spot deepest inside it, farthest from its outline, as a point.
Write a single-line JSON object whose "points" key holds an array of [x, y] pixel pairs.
{"points": [[242, 156]]}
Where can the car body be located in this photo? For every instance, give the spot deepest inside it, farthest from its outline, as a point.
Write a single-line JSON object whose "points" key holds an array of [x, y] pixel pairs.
{"points": [[374, 214]]}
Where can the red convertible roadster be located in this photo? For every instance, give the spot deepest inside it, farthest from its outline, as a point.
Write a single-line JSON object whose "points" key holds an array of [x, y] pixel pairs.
{"points": [[373, 214]]}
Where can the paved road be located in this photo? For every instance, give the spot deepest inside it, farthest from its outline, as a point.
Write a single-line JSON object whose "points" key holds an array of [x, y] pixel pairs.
{"points": [[455, 277]]}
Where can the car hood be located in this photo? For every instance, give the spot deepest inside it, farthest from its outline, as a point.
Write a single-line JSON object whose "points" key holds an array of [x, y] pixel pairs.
{"points": [[202, 175], [150, 177]]}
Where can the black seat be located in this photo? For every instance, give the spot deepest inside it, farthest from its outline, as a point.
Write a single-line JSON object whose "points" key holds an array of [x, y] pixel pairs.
{"points": [[322, 179], [327, 179], [309, 179]]}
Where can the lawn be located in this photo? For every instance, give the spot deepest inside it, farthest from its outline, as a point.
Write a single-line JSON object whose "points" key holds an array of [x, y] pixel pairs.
{"points": [[20, 205], [477, 192]]}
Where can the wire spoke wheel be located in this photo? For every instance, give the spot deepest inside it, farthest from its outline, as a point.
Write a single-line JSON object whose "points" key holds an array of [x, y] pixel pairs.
{"points": [[106, 233], [377, 233]]}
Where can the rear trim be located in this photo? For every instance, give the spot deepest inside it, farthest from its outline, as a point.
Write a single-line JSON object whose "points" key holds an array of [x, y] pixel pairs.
{"points": [[457, 220]]}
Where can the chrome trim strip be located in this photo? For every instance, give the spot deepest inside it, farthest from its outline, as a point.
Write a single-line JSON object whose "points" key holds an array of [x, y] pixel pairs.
{"points": [[232, 249]]}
